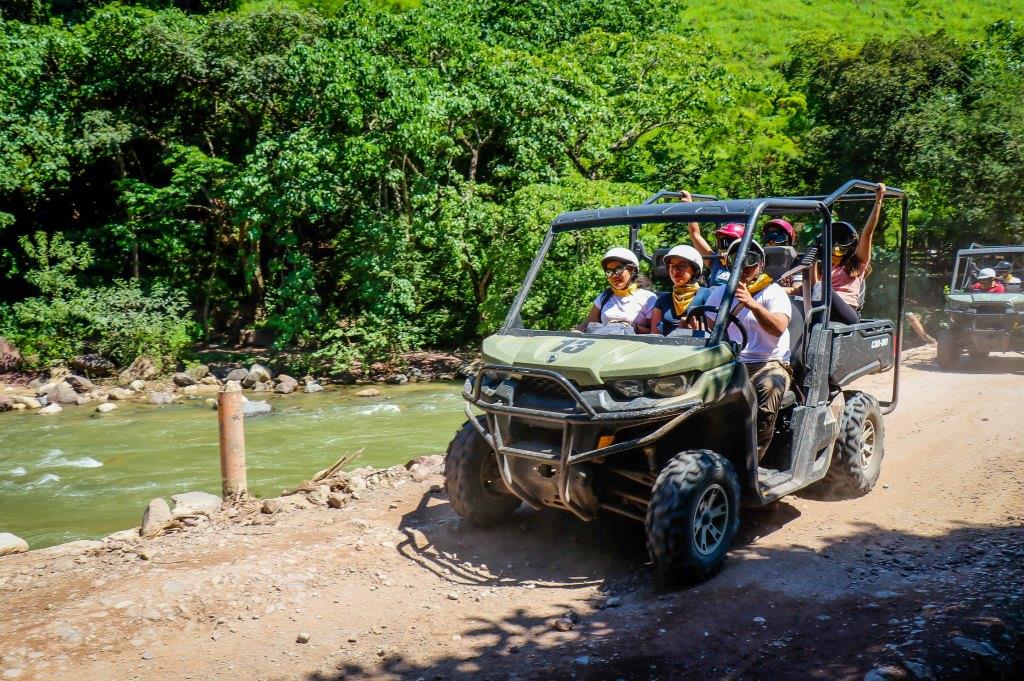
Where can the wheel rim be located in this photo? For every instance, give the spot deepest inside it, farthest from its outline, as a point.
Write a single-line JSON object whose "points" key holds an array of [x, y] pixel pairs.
{"points": [[867, 442], [710, 518]]}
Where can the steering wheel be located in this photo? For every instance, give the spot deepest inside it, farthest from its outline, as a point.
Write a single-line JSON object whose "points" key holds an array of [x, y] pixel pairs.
{"points": [[702, 321]]}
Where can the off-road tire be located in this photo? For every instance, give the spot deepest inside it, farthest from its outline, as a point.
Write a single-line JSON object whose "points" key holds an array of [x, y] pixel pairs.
{"points": [[858, 452], [475, 489], [675, 526], [948, 352]]}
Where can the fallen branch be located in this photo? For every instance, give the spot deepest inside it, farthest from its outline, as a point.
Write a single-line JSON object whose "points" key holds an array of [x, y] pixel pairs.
{"points": [[328, 476]]}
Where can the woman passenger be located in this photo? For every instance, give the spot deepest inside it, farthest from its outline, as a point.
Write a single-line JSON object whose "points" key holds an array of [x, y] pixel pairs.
{"points": [[851, 264], [624, 301], [684, 266]]}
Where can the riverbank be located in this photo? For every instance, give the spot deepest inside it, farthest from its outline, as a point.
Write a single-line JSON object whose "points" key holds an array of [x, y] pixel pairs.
{"points": [[918, 579], [81, 474]]}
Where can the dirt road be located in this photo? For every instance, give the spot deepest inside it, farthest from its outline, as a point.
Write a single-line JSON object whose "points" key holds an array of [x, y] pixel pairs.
{"points": [[921, 578]]}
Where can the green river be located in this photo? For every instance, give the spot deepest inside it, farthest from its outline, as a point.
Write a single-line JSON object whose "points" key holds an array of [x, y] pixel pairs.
{"points": [[82, 475]]}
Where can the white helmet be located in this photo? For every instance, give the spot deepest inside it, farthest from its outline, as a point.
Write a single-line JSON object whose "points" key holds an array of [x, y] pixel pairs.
{"points": [[689, 254], [623, 255], [987, 273]]}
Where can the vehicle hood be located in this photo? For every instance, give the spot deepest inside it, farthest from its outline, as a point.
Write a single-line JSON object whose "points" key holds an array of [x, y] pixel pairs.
{"points": [[593, 361]]}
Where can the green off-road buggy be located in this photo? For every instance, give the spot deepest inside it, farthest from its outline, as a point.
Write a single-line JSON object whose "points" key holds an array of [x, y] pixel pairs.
{"points": [[662, 429], [981, 322]]}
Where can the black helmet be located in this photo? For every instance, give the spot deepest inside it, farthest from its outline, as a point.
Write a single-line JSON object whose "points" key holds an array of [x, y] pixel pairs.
{"points": [[1003, 266]]}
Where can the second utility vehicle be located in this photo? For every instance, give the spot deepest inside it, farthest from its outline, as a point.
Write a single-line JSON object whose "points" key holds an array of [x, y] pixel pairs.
{"points": [[982, 321], [662, 429]]}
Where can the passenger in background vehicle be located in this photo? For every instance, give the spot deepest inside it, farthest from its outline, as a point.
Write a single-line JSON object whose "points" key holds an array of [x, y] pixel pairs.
{"points": [[851, 264], [624, 301], [1004, 273], [987, 282], [684, 266]]}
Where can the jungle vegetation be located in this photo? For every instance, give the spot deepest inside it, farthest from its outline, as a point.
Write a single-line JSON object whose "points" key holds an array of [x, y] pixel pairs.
{"points": [[363, 177]]}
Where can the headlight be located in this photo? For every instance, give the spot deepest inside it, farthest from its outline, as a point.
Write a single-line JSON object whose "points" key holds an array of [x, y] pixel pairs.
{"points": [[629, 388], [669, 386], [664, 386]]}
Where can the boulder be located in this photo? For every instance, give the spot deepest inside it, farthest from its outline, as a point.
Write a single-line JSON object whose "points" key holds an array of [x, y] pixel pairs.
{"points": [[81, 384], [256, 408], [63, 393], [50, 409], [198, 371], [93, 365], [181, 379], [10, 358], [313, 387], [6, 403], [105, 407], [397, 379], [368, 392], [285, 384], [209, 380], [117, 393], [156, 517], [138, 385], [257, 374], [195, 503], [239, 375], [284, 504], [200, 389], [267, 387], [319, 495], [142, 369], [337, 499], [58, 372], [162, 398], [11, 544], [27, 400]]}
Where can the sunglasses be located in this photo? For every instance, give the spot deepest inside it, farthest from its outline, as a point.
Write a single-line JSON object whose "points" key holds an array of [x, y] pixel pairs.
{"points": [[775, 238], [749, 260], [615, 271]]}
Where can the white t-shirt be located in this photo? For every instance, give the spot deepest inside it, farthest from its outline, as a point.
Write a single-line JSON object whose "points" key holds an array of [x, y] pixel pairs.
{"points": [[634, 309], [762, 346]]}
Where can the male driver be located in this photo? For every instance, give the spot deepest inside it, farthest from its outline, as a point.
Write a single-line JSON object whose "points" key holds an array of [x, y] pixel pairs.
{"points": [[764, 309], [987, 282]]}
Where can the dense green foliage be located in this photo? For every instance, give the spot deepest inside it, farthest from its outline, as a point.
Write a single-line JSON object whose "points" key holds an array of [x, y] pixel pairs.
{"points": [[366, 179]]}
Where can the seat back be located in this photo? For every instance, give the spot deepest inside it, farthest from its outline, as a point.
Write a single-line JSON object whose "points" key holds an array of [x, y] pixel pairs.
{"points": [[778, 259], [796, 342], [659, 268]]}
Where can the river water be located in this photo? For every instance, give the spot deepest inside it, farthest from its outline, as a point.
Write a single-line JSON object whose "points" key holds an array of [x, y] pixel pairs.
{"points": [[81, 475]]}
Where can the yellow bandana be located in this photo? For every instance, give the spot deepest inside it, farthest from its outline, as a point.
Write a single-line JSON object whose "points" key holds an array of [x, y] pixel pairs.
{"points": [[628, 291], [682, 296], [759, 284]]}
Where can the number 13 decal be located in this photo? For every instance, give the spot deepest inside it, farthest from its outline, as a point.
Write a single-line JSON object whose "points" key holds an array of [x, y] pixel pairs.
{"points": [[573, 346]]}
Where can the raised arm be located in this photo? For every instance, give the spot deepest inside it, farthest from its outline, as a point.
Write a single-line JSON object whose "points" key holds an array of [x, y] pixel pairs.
{"points": [[864, 246], [696, 238]]}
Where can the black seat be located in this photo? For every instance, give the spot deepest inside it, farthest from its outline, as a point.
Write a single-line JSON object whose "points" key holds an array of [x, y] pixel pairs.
{"points": [[778, 260], [796, 349]]}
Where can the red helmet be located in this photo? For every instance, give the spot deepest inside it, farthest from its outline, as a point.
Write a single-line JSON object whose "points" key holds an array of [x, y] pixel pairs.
{"points": [[732, 230], [784, 226]]}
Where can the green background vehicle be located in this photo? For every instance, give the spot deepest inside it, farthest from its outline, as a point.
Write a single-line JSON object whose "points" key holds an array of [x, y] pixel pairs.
{"points": [[662, 429], [981, 323]]}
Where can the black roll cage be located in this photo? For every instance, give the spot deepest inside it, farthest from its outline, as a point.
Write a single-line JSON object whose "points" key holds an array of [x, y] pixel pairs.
{"points": [[706, 208], [970, 253]]}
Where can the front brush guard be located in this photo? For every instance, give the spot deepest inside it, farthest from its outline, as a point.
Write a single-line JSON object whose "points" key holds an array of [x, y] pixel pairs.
{"points": [[582, 415]]}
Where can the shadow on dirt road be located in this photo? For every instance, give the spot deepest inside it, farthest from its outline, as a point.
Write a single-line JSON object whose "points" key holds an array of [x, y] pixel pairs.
{"points": [[832, 612]]}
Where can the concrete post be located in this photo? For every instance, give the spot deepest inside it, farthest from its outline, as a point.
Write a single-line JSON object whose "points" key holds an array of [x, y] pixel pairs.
{"points": [[232, 443]]}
